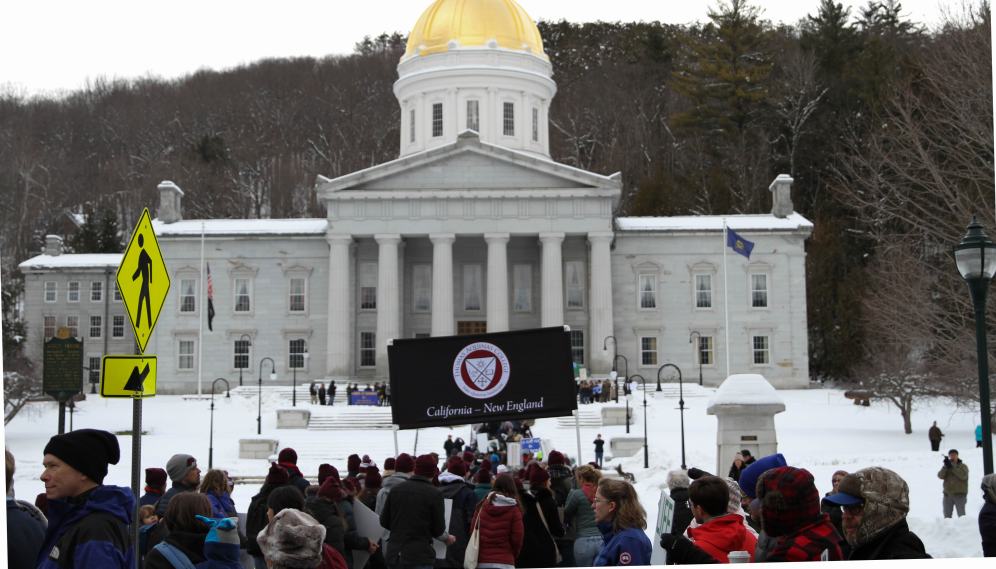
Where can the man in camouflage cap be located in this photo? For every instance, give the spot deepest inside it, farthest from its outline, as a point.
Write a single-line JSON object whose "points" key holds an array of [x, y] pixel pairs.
{"points": [[876, 501]]}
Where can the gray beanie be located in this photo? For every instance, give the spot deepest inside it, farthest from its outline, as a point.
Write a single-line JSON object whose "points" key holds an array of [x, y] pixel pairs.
{"points": [[292, 540], [179, 466]]}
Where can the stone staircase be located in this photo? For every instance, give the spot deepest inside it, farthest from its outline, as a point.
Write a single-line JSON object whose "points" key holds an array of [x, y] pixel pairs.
{"points": [[286, 393], [350, 418], [588, 418], [671, 390]]}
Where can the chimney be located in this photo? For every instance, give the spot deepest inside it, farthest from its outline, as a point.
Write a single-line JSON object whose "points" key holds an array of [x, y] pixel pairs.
{"points": [[53, 245], [781, 196], [169, 202]]}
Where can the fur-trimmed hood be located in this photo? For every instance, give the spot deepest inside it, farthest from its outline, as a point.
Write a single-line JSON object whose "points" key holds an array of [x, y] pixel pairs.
{"points": [[293, 540]]}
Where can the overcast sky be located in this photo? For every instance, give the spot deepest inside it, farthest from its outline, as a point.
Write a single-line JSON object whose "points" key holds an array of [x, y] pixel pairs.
{"points": [[48, 46]]}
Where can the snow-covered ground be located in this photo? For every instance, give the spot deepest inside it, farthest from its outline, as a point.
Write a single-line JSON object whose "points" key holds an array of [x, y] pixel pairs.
{"points": [[820, 431]]}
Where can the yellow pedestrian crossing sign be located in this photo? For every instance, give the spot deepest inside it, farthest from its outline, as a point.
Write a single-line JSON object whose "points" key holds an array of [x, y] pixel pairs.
{"points": [[143, 280], [128, 376]]}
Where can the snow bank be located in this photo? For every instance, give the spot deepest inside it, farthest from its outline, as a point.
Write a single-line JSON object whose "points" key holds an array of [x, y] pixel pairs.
{"points": [[765, 222], [70, 260], [192, 227]]}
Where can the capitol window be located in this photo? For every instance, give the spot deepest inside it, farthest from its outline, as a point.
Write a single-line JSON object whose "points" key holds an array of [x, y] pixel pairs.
{"points": [[74, 292], [243, 295], [575, 283], [411, 128], [117, 331], [73, 324], [368, 349], [473, 116], [185, 354], [522, 288], [437, 119], [297, 294], [648, 291], [368, 286], [95, 326], [762, 350], [188, 296], [472, 287], [96, 291], [50, 326], [648, 350], [508, 119], [422, 287], [703, 291], [51, 291], [759, 290], [535, 125], [705, 350]]}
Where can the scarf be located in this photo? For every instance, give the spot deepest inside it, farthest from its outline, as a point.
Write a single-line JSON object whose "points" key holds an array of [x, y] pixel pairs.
{"points": [[589, 491], [290, 466]]}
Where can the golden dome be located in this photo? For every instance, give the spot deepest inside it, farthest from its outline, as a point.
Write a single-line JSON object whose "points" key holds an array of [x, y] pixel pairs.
{"points": [[472, 23]]}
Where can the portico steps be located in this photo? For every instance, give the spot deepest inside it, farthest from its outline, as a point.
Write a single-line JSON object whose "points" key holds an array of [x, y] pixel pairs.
{"points": [[350, 418]]}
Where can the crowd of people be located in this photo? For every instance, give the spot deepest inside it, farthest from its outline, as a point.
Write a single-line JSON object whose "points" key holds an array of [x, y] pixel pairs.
{"points": [[320, 395], [548, 513]]}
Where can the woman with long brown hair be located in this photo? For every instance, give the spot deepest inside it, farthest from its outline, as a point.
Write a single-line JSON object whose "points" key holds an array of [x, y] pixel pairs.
{"points": [[186, 532], [500, 517], [215, 487], [621, 519]]}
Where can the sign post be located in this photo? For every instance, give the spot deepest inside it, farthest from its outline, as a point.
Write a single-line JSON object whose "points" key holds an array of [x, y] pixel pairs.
{"points": [[62, 372], [144, 283]]}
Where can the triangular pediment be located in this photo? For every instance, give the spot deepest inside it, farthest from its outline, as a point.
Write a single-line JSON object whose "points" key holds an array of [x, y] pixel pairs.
{"points": [[468, 164]]}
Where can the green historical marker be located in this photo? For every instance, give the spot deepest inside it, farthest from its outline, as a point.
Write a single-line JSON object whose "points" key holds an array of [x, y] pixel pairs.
{"points": [[62, 373]]}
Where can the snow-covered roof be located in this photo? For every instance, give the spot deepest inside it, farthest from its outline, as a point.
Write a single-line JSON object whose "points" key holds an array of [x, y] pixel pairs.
{"points": [[192, 227], [746, 389], [766, 222], [73, 261]]}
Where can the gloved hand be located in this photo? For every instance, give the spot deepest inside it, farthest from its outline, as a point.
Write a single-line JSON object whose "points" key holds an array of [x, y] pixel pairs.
{"points": [[668, 541], [947, 463]]}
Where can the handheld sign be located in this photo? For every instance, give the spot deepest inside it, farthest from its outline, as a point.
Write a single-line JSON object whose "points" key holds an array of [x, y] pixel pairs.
{"points": [[143, 280], [459, 380], [128, 376], [665, 520]]}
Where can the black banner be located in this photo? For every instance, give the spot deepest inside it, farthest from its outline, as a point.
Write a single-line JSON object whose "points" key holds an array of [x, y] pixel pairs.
{"points": [[458, 380]]}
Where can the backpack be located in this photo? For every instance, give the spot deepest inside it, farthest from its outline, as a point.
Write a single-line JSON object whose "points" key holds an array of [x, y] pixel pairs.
{"points": [[174, 556]]}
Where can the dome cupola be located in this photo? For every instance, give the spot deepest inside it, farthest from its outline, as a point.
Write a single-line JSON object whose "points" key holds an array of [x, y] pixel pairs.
{"points": [[475, 65]]}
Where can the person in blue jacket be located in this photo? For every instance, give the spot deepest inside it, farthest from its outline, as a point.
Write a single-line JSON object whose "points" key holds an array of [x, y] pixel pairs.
{"points": [[25, 525], [978, 436], [87, 520], [622, 521]]}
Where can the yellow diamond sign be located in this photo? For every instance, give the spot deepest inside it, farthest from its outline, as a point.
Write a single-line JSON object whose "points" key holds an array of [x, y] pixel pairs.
{"points": [[143, 280]]}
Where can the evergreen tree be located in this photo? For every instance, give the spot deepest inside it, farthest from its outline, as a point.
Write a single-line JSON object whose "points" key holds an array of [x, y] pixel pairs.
{"points": [[108, 233], [97, 235]]}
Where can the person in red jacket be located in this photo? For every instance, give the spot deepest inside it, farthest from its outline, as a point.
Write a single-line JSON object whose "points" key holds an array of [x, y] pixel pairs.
{"points": [[718, 532], [500, 515]]}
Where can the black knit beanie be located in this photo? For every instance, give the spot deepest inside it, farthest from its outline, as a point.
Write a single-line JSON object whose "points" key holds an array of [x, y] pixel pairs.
{"points": [[87, 450]]}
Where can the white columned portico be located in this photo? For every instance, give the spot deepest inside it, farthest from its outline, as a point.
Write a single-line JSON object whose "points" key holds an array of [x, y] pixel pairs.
{"points": [[552, 285], [340, 307], [497, 281], [442, 284], [600, 307], [388, 297]]}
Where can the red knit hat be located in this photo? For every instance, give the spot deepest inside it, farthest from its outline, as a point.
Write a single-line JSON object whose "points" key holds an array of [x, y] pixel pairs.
{"points": [[389, 463], [458, 468], [425, 465], [287, 455], [538, 476], [373, 479], [405, 463], [155, 477], [518, 484], [483, 476], [353, 462], [330, 489], [277, 475], [334, 473], [324, 471], [352, 485], [555, 458], [468, 457], [486, 465]]}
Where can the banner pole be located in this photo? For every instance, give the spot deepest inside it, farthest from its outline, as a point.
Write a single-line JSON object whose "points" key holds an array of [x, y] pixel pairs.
{"points": [[726, 298], [136, 466], [394, 429], [201, 314], [415, 451], [577, 430]]}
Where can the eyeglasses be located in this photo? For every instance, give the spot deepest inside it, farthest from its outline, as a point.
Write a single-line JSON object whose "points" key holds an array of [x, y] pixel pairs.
{"points": [[597, 501], [855, 509]]}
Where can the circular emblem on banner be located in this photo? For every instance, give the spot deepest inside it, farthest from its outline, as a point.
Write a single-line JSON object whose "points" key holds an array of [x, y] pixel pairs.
{"points": [[481, 370]]}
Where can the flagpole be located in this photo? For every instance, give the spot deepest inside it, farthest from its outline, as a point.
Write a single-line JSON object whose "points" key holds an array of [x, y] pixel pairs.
{"points": [[200, 328], [726, 299]]}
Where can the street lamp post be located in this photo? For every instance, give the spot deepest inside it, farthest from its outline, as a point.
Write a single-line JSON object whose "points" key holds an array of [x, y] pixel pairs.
{"points": [[294, 366], [247, 356], [273, 376], [646, 451], [625, 373], [605, 352], [696, 356], [976, 260], [681, 406], [228, 393]]}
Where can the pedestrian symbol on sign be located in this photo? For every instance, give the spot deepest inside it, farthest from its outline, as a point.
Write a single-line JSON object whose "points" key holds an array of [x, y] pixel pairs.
{"points": [[145, 270]]}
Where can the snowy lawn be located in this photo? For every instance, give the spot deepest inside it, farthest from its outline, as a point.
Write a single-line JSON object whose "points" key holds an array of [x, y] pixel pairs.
{"points": [[819, 431]]}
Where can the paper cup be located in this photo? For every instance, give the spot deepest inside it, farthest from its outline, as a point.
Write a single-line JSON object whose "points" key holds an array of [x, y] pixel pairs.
{"points": [[739, 557]]}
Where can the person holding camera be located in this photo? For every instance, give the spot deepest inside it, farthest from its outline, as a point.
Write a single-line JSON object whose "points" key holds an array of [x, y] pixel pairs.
{"points": [[954, 473]]}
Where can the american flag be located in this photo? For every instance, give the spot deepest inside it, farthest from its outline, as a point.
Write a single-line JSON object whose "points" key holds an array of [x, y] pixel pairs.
{"points": [[210, 298]]}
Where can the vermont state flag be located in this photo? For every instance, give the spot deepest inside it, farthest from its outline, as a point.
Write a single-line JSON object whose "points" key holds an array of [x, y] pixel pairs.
{"points": [[738, 243]]}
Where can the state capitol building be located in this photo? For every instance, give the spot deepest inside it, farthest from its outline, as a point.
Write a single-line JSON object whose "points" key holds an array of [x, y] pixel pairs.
{"points": [[473, 228]]}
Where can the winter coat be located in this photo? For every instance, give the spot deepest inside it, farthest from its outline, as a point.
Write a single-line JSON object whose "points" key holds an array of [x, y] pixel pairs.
{"points": [[808, 542], [765, 545], [295, 477], [464, 500], [176, 488], [150, 498], [331, 559], [91, 529], [599, 445], [987, 528], [561, 483], [501, 531], [352, 539], [978, 433], [934, 433], [538, 547], [628, 547], [221, 506], [25, 536], [682, 511], [256, 518], [578, 510], [326, 513], [897, 543], [482, 490], [719, 536], [955, 479], [389, 483], [414, 513], [735, 472], [189, 544]]}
